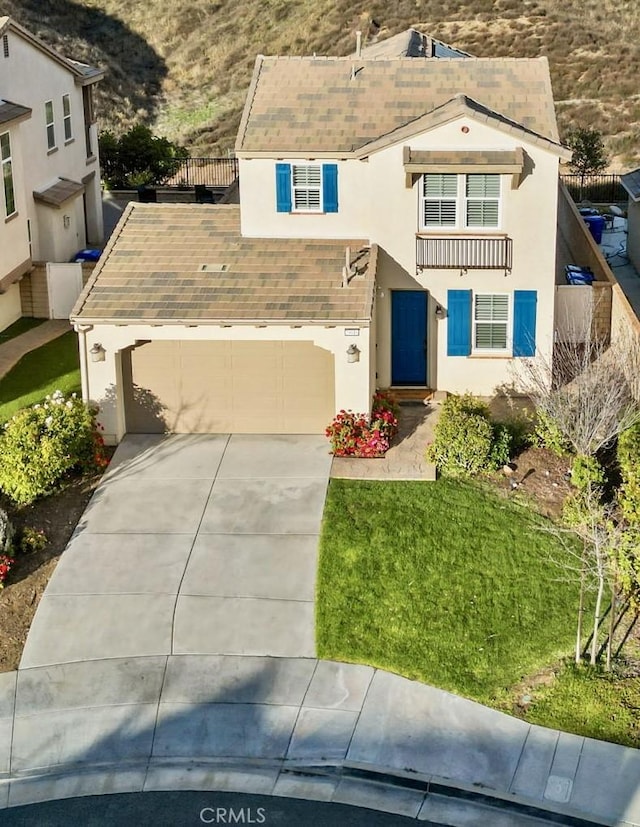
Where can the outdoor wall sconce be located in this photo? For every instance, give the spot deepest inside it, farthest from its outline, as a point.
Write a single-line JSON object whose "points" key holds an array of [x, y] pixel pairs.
{"points": [[353, 353], [66, 221], [97, 352], [439, 311]]}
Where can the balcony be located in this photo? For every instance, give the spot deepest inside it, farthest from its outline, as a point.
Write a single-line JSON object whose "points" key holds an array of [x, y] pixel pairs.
{"points": [[464, 253]]}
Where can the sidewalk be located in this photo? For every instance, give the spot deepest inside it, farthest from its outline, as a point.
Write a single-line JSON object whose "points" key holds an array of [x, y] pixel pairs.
{"points": [[12, 351], [298, 727]]}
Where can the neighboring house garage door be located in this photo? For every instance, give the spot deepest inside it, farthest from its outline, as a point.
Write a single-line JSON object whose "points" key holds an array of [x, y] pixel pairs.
{"points": [[225, 387]]}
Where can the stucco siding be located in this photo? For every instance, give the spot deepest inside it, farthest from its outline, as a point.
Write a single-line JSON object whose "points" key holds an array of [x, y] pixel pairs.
{"points": [[10, 309], [103, 381]]}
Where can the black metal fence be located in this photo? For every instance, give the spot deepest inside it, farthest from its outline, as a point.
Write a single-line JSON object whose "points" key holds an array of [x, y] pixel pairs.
{"points": [[599, 189], [208, 172]]}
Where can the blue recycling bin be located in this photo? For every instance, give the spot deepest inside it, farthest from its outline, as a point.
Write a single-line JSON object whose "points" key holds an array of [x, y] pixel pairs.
{"points": [[595, 223]]}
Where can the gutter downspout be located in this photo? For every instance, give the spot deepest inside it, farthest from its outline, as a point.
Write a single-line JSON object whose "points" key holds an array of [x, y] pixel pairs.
{"points": [[82, 330]]}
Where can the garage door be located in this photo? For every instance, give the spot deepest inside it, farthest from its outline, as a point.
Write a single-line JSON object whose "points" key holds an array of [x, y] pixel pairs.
{"points": [[225, 387]]}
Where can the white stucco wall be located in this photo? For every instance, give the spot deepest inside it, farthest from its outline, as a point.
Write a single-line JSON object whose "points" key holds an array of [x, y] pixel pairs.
{"points": [[10, 307], [353, 380], [375, 203], [633, 236], [260, 219], [14, 237], [31, 78]]}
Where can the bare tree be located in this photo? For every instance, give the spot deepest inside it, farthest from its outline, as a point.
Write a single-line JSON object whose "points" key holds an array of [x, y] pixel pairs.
{"points": [[589, 389], [591, 561]]}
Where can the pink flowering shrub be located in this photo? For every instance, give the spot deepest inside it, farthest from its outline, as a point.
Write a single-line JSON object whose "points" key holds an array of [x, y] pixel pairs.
{"points": [[363, 435]]}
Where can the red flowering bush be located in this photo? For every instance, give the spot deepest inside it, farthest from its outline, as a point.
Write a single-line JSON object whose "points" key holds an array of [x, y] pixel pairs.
{"points": [[5, 567], [362, 435]]}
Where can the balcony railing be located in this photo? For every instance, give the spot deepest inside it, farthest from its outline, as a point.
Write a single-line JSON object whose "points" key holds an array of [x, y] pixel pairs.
{"points": [[208, 172], [457, 253]]}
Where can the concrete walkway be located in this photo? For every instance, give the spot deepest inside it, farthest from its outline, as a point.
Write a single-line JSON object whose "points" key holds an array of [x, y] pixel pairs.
{"points": [[203, 544], [297, 727], [12, 351]]}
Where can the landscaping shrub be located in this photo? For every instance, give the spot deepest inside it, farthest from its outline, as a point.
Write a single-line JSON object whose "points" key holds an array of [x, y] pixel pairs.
{"points": [[466, 440], [32, 539], [361, 435], [587, 473], [42, 443], [629, 462], [548, 435]]}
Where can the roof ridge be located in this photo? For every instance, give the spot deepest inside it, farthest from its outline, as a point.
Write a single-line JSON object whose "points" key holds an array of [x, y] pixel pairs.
{"points": [[248, 104]]}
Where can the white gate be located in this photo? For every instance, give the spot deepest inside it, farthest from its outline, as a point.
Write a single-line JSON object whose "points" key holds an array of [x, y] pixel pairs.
{"points": [[64, 285]]}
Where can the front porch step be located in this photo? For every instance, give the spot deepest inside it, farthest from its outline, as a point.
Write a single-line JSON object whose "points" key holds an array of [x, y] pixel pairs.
{"points": [[412, 394]]}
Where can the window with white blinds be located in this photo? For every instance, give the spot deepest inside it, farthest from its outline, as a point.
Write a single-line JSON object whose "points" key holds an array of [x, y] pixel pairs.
{"points": [[440, 197], [306, 184], [490, 321], [460, 201], [482, 193]]}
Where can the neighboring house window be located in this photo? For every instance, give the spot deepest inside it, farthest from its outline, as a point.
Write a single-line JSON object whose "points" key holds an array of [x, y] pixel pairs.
{"points": [[5, 45], [66, 117], [490, 321], [7, 175], [502, 323], [51, 129], [461, 201], [307, 188]]}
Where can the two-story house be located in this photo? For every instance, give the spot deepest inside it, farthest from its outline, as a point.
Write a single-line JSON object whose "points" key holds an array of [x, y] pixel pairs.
{"points": [[50, 195], [396, 227]]}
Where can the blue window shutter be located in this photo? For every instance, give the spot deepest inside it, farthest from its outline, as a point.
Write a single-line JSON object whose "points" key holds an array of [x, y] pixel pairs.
{"points": [[458, 322], [330, 187], [283, 187], [524, 322]]}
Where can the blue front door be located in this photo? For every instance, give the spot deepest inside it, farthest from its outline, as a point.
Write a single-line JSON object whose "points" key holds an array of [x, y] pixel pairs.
{"points": [[408, 337]]}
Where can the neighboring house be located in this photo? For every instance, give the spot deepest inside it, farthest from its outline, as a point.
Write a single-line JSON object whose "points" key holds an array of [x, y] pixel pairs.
{"points": [[396, 227], [631, 183], [50, 198]]}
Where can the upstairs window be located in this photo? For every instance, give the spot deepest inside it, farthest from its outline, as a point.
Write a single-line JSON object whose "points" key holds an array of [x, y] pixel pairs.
{"points": [[7, 175], [306, 183], [50, 123], [66, 117], [307, 188], [460, 202], [5, 45]]}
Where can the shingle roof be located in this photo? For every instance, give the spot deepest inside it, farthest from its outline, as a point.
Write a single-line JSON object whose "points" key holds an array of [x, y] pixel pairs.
{"points": [[152, 271], [12, 111], [59, 192], [411, 43], [631, 182], [341, 105]]}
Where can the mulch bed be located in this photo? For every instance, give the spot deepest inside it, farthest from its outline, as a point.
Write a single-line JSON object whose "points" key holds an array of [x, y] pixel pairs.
{"points": [[56, 515]]}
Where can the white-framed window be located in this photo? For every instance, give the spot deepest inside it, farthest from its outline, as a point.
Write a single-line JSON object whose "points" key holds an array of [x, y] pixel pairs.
{"points": [[7, 175], [491, 319], [306, 187], [66, 117], [5, 45], [460, 201], [50, 123]]}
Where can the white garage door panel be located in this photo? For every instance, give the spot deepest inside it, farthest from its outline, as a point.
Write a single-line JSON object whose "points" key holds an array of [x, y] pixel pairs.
{"points": [[223, 387]]}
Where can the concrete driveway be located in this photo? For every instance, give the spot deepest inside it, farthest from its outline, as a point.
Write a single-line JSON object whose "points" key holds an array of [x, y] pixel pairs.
{"points": [[203, 544]]}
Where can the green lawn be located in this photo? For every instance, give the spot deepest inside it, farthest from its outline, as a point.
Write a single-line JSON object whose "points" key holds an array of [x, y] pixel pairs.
{"points": [[19, 327], [592, 703], [52, 366], [443, 582]]}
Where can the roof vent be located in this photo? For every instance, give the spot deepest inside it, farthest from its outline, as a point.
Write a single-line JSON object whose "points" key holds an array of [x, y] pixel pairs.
{"points": [[213, 268]]}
